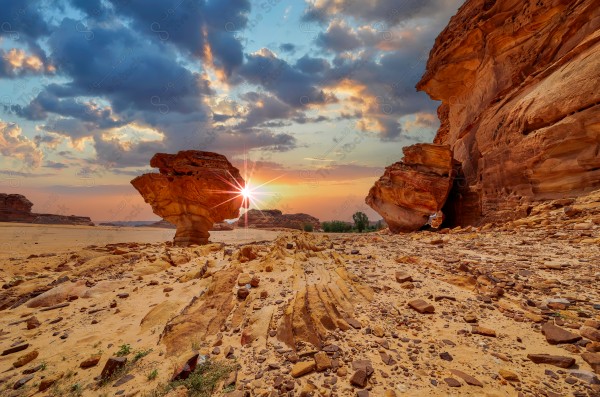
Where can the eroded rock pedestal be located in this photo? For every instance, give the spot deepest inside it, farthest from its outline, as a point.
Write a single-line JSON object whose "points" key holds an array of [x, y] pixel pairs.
{"points": [[519, 83], [414, 189], [193, 190]]}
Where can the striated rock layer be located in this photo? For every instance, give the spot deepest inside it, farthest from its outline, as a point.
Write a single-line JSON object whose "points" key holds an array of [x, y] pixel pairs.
{"points": [[323, 298], [519, 83], [193, 190], [275, 218], [17, 208], [414, 189]]}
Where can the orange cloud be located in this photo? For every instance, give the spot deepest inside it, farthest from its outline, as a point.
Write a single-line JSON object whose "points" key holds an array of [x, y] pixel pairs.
{"points": [[20, 61]]}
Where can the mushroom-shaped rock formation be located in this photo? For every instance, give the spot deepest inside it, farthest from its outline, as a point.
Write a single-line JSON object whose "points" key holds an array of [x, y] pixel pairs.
{"points": [[412, 192], [193, 191]]}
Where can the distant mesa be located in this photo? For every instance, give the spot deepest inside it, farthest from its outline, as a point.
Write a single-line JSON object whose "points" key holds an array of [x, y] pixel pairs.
{"points": [[162, 224], [411, 191], [270, 219], [16, 208], [159, 224], [218, 226], [194, 190]]}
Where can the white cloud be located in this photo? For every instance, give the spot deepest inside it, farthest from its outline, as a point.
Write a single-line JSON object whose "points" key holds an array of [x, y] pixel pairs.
{"points": [[14, 144]]}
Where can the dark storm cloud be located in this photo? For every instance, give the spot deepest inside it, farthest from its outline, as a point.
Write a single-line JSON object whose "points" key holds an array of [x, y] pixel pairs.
{"points": [[55, 165], [390, 12], [111, 153], [289, 84], [74, 129], [93, 8], [303, 119], [190, 24], [46, 102], [263, 108], [309, 65], [22, 20], [47, 139], [118, 64], [287, 47], [338, 37], [140, 79]]}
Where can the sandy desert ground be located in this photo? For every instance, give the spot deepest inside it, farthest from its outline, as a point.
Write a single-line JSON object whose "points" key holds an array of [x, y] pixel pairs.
{"points": [[25, 238], [500, 310]]}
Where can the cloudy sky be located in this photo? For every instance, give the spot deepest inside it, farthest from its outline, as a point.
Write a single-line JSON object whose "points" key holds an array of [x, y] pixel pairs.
{"points": [[317, 93]]}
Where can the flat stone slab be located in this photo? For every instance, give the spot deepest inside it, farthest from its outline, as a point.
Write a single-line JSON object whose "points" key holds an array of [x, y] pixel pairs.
{"points": [[558, 361], [556, 335], [421, 306]]}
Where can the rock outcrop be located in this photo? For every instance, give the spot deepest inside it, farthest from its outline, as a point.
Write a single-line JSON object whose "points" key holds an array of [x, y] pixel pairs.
{"points": [[17, 208], [519, 83], [222, 227], [193, 190], [411, 191], [269, 219]]}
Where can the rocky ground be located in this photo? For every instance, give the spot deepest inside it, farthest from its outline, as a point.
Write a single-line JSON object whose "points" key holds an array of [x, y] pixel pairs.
{"points": [[501, 310]]}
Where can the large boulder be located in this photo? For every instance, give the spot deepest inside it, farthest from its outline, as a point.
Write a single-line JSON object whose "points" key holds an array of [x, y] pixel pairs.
{"points": [[412, 192], [519, 83], [193, 190]]}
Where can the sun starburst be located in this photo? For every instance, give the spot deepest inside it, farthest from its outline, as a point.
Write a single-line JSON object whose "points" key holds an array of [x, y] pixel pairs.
{"points": [[247, 192]]}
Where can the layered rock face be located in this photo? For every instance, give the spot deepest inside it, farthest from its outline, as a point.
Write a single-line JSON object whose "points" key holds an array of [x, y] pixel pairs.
{"points": [[17, 208], [414, 189], [519, 83], [276, 219], [193, 190]]}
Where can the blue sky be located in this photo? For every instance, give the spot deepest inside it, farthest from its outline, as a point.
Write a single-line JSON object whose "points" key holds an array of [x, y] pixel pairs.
{"points": [[319, 93]]}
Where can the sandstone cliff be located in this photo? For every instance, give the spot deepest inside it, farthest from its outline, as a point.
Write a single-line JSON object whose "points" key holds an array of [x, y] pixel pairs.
{"points": [[276, 219], [519, 82], [16, 208]]}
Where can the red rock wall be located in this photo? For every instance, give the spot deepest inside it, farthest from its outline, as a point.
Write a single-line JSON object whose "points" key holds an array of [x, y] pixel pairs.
{"points": [[519, 82]]}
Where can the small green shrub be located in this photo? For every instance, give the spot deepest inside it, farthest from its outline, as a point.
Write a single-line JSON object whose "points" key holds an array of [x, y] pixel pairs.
{"points": [[140, 354], [124, 350], [152, 375], [202, 382]]}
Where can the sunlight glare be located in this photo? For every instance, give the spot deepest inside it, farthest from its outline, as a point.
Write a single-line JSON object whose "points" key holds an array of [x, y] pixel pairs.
{"points": [[246, 193]]}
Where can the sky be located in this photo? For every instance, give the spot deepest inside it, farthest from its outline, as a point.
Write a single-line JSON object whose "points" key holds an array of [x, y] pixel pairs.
{"points": [[318, 95]]}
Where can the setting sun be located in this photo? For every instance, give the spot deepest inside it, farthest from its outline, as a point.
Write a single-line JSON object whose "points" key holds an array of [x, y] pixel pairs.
{"points": [[246, 193]]}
